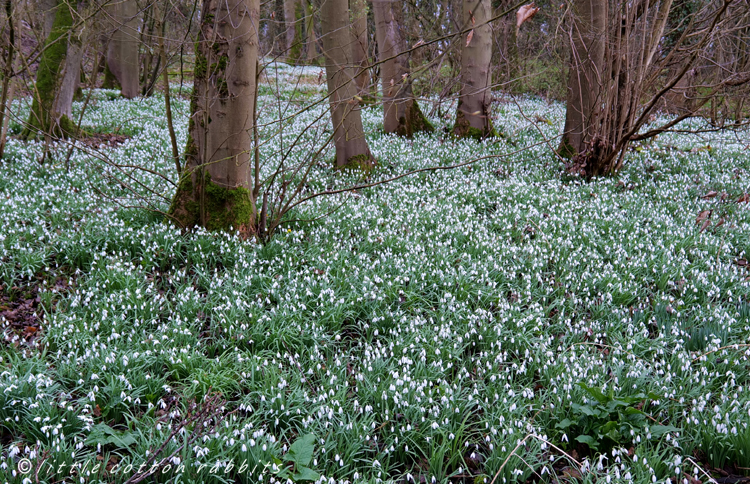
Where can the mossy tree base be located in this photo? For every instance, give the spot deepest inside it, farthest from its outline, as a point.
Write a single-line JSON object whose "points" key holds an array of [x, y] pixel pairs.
{"points": [[64, 128], [213, 207], [42, 118], [364, 163], [566, 150], [463, 129], [414, 121], [110, 80]]}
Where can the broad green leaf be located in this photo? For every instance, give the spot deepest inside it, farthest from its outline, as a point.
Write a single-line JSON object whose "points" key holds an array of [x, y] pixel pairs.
{"points": [[104, 434], [659, 430], [594, 392], [305, 474], [566, 423], [586, 410], [588, 440], [301, 451]]}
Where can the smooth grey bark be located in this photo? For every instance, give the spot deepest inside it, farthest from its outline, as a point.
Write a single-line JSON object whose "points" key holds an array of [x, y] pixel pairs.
{"points": [[122, 53], [473, 114], [358, 9], [401, 113], [290, 33], [310, 44], [588, 40], [349, 136], [215, 190], [71, 77]]}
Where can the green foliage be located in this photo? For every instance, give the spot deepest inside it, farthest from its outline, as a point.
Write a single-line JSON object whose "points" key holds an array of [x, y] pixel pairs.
{"points": [[103, 434], [294, 464], [610, 420]]}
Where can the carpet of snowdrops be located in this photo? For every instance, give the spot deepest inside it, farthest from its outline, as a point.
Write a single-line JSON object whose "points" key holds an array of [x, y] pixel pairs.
{"points": [[496, 322]]}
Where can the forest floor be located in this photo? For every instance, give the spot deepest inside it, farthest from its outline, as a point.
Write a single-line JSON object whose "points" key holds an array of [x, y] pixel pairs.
{"points": [[496, 322]]}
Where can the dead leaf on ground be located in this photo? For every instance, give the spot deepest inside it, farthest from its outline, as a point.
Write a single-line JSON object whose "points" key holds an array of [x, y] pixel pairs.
{"points": [[710, 195], [704, 215], [570, 473]]}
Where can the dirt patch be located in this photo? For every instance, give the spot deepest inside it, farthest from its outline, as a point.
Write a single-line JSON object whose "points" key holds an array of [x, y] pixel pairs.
{"points": [[22, 308], [110, 140]]}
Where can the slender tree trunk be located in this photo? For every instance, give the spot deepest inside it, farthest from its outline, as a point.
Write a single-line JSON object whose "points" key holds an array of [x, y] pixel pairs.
{"points": [[290, 17], [310, 44], [122, 53], [349, 136], [48, 7], [215, 189], [358, 9], [473, 114], [71, 77], [48, 108], [7, 91], [401, 113], [584, 81]]}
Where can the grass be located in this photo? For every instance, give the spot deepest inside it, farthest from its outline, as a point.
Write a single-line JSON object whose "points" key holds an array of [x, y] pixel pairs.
{"points": [[420, 332]]}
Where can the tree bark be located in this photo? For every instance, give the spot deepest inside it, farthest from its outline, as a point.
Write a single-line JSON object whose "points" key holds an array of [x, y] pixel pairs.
{"points": [[71, 78], [358, 9], [290, 17], [473, 114], [584, 81], [401, 113], [122, 53], [349, 136], [48, 109], [310, 44], [215, 189], [8, 74]]}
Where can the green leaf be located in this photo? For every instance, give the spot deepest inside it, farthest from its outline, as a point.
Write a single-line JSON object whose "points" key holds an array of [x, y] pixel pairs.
{"points": [[659, 430], [588, 440], [103, 434], [594, 392], [305, 474], [585, 409], [566, 423], [301, 451]]}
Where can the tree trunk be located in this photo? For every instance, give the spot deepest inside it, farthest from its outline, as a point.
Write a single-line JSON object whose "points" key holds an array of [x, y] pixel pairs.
{"points": [[122, 54], [584, 81], [48, 7], [7, 90], [358, 9], [71, 78], [215, 189], [310, 44], [292, 43], [401, 113], [473, 114], [349, 136], [47, 110]]}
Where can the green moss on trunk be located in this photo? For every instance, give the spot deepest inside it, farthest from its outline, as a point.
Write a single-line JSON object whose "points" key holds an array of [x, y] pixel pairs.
{"points": [[413, 122], [566, 149], [462, 128], [219, 208], [110, 80], [41, 118]]}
